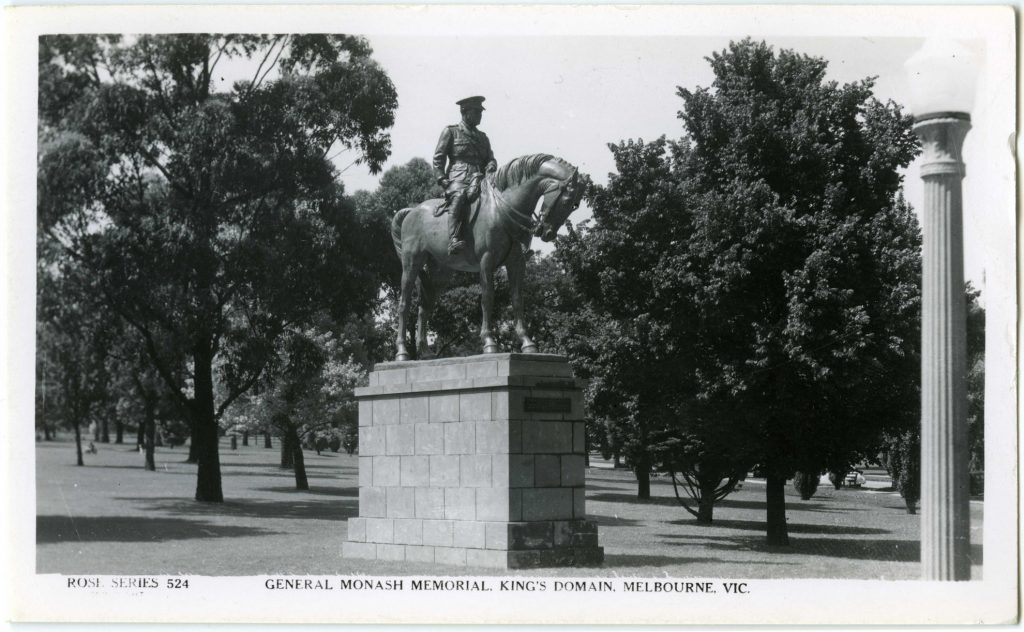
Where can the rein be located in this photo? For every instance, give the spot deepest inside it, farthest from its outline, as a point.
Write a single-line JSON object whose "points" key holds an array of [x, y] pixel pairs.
{"points": [[519, 225]]}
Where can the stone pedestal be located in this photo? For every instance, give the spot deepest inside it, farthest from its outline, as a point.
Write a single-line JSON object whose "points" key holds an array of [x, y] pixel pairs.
{"points": [[473, 461]]}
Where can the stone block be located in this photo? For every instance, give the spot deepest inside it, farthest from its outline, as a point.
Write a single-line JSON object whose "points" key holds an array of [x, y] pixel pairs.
{"points": [[487, 368], [365, 471], [499, 471], [357, 529], [460, 438], [386, 411], [547, 437], [452, 556], [444, 471], [419, 554], [547, 470], [515, 437], [429, 438], [392, 376], [553, 503], [371, 441], [530, 535], [391, 552], [408, 531], [562, 531], [475, 406], [534, 368], [579, 438], [572, 470], [359, 550], [372, 502], [492, 437], [386, 471], [380, 530], [414, 409], [499, 405], [437, 372], [401, 502], [444, 408], [493, 503], [515, 504], [429, 502], [575, 405], [476, 470], [521, 470], [579, 503], [365, 412], [415, 471], [438, 532], [460, 503], [496, 535], [469, 534], [489, 559], [400, 440]]}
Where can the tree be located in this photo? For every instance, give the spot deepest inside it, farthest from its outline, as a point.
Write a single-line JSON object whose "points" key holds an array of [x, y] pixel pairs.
{"points": [[765, 265], [210, 216]]}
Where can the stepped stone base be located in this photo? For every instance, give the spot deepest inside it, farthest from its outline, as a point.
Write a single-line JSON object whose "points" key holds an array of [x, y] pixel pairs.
{"points": [[473, 461]]}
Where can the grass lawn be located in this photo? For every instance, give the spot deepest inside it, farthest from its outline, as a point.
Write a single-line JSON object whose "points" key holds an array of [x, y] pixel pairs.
{"points": [[112, 517]]}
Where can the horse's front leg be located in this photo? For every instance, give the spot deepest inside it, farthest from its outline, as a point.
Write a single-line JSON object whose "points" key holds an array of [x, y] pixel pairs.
{"points": [[516, 267], [487, 302]]}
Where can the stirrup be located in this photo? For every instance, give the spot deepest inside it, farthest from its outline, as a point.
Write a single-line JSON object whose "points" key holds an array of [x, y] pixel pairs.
{"points": [[455, 246]]}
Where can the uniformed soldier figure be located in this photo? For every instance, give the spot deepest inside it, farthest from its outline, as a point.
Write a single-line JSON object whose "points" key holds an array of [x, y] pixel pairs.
{"points": [[462, 157]]}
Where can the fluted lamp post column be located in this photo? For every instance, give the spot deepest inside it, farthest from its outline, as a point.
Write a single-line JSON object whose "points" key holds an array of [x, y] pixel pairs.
{"points": [[942, 86]]}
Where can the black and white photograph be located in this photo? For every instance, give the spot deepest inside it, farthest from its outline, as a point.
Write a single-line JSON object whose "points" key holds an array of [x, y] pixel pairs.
{"points": [[511, 314]]}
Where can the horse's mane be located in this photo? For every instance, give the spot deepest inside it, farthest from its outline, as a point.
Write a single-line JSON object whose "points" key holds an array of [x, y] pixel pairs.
{"points": [[519, 169]]}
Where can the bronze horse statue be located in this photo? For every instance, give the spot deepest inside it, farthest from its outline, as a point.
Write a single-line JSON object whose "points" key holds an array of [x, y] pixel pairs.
{"points": [[502, 224]]}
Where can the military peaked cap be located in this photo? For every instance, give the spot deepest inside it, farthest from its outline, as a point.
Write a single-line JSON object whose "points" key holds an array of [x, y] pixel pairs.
{"points": [[471, 102]]}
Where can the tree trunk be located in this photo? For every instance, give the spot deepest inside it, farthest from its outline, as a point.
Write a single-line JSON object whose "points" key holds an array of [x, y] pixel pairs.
{"points": [[706, 504], [267, 443], [287, 452], [775, 496], [105, 430], [616, 464], [642, 469], [95, 431], [234, 442], [140, 439], [150, 438], [208, 482], [47, 436], [245, 437], [118, 431], [78, 441], [298, 460]]}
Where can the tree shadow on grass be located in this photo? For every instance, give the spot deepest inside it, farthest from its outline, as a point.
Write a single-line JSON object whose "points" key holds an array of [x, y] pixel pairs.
{"points": [[52, 529], [612, 561], [848, 548], [350, 492], [604, 520], [759, 525], [253, 508], [671, 501]]}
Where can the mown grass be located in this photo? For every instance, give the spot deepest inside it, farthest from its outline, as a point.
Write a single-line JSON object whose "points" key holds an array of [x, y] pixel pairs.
{"points": [[113, 517]]}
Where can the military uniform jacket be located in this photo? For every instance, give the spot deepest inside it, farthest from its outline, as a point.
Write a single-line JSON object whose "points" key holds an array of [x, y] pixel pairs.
{"points": [[466, 151]]}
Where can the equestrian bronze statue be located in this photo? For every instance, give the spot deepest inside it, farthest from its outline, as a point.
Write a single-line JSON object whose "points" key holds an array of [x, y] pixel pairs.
{"points": [[501, 224]]}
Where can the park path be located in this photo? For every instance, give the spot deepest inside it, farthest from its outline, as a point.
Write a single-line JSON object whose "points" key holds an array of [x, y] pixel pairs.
{"points": [[112, 517]]}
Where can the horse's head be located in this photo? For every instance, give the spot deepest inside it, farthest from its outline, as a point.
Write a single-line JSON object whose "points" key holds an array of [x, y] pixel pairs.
{"points": [[561, 197]]}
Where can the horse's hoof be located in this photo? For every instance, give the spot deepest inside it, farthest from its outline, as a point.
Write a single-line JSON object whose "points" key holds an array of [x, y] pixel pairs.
{"points": [[530, 348], [490, 348]]}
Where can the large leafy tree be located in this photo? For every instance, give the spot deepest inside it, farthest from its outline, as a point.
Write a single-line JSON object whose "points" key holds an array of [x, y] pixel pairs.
{"points": [[209, 214], [769, 266]]}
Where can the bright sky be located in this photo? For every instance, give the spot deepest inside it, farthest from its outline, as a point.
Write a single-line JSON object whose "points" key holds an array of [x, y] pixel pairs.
{"points": [[570, 96]]}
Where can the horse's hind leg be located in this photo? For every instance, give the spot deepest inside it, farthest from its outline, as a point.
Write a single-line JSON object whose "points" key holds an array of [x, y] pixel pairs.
{"points": [[410, 266], [487, 302], [516, 267]]}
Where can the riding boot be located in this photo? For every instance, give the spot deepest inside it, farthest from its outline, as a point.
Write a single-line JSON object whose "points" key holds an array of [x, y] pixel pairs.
{"points": [[455, 222]]}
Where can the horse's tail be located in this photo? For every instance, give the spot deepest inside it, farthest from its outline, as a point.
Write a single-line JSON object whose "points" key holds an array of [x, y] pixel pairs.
{"points": [[396, 229]]}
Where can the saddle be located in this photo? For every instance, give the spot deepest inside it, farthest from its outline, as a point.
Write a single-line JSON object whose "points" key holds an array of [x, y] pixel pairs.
{"points": [[473, 196]]}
